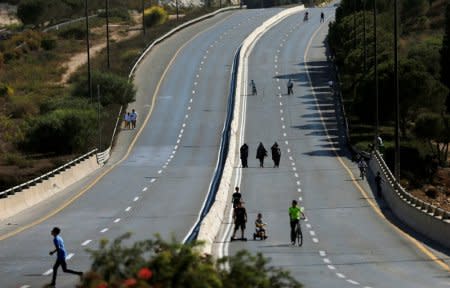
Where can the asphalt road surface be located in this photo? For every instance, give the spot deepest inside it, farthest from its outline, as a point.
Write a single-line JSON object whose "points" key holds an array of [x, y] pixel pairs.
{"points": [[161, 184], [347, 240]]}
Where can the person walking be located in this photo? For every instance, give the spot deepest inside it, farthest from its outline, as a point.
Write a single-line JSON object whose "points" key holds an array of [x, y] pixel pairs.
{"points": [[236, 197], [261, 153], [240, 219], [253, 85], [290, 87], [322, 17], [244, 155], [133, 119], [60, 256], [126, 120], [276, 155]]}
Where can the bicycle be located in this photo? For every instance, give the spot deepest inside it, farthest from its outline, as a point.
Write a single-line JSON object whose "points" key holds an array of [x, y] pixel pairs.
{"points": [[299, 234]]}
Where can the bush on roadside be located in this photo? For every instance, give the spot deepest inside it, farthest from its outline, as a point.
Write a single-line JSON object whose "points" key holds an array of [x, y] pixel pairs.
{"points": [[114, 89], [60, 131], [155, 15], [158, 263], [49, 42], [74, 31], [16, 159], [120, 13]]}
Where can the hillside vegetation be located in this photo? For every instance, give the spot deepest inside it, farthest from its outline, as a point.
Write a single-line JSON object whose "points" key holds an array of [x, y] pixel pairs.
{"points": [[424, 94]]}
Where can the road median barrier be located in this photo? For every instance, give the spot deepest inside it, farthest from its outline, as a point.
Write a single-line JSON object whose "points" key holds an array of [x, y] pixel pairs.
{"points": [[210, 224]]}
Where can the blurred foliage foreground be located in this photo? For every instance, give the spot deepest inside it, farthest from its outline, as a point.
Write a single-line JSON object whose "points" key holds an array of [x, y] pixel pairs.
{"points": [[159, 263]]}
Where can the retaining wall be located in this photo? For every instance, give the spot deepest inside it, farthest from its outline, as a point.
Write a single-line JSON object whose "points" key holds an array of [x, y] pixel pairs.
{"points": [[426, 219]]}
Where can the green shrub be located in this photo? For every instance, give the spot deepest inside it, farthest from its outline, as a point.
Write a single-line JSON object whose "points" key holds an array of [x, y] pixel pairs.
{"points": [[116, 13], [61, 131], [49, 43], [77, 32], [154, 16], [16, 159], [114, 89]]}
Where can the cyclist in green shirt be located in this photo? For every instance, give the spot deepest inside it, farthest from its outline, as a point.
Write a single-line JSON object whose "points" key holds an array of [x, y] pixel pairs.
{"points": [[295, 214]]}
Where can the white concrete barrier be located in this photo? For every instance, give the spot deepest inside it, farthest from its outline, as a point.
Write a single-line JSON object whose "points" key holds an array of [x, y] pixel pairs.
{"points": [[211, 223], [45, 188], [422, 217]]}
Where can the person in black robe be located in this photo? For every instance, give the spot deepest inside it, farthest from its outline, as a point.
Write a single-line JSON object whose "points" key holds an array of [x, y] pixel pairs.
{"points": [[244, 155], [261, 153], [276, 154]]}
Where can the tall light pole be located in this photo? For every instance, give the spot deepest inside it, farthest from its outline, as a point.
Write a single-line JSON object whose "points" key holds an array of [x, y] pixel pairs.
{"points": [[176, 4], [143, 16], [397, 96], [375, 70], [364, 35], [107, 33], [87, 48]]}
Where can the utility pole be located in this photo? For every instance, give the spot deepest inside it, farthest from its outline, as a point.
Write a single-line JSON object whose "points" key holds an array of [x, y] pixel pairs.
{"points": [[107, 33], [397, 96], [176, 4], [87, 48], [98, 120]]}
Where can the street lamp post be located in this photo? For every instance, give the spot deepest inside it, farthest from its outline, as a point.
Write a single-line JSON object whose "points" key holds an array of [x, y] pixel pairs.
{"points": [[397, 96], [143, 16], [364, 35], [107, 33], [176, 4], [375, 69], [87, 48]]}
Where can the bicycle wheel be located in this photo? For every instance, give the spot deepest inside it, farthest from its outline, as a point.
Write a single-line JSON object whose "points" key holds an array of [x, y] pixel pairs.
{"points": [[299, 235]]}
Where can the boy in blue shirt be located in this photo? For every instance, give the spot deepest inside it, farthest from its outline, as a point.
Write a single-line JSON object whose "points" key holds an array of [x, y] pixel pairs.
{"points": [[60, 255]]}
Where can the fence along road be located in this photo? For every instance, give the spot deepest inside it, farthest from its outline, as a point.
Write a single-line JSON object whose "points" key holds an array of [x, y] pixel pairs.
{"points": [[346, 243], [160, 186]]}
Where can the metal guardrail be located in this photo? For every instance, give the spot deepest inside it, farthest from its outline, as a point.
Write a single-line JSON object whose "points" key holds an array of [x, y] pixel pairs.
{"points": [[413, 201], [223, 152], [18, 188]]}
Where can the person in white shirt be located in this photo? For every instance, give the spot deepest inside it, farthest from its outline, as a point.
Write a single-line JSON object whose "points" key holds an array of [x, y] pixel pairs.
{"points": [[133, 118]]}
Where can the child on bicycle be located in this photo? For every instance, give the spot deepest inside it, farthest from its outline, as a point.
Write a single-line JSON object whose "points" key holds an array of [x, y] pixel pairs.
{"points": [[260, 228]]}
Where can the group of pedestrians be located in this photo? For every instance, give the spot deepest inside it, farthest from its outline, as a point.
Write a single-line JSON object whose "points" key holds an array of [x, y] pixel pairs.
{"points": [[261, 154], [130, 119]]}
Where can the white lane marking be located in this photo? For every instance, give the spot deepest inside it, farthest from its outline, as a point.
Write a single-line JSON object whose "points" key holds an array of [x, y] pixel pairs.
{"points": [[352, 282], [321, 252], [160, 171], [181, 132], [195, 83], [25, 286], [204, 57], [201, 62], [289, 150], [281, 111], [86, 242], [128, 209], [48, 272], [331, 267], [193, 91], [153, 180], [135, 199], [284, 126], [309, 226], [312, 233], [282, 118], [278, 50], [145, 189], [104, 230], [165, 166], [276, 66], [298, 183], [284, 134], [190, 101], [292, 163], [117, 220], [189, 107], [197, 76], [180, 135], [299, 190], [326, 260], [278, 80], [292, 159], [300, 199], [315, 240], [186, 116], [286, 142], [342, 276], [176, 147], [68, 257], [178, 141], [171, 156]]}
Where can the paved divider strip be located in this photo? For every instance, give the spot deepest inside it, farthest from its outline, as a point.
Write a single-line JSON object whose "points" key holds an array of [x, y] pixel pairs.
{"points": [[210, 224]]}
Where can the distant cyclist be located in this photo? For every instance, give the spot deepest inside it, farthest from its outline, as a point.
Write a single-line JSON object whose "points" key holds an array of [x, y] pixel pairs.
{"points": [[295, 214], [362, 165]]}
